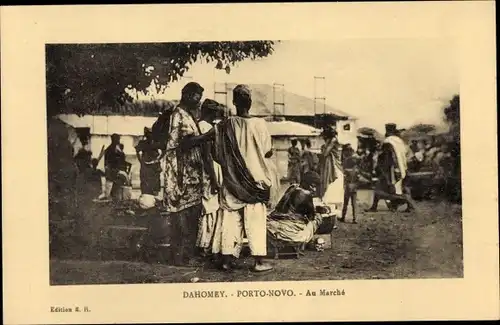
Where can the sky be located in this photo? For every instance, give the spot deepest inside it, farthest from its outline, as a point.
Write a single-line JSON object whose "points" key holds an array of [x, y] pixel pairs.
{"points": [[404, 81]]}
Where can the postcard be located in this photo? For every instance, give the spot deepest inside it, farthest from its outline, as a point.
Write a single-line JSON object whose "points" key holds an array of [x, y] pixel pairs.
{"points": [[249, 162]]}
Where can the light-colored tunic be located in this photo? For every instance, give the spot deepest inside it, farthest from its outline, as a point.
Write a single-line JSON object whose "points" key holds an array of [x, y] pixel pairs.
{"points": [[239, 218]]}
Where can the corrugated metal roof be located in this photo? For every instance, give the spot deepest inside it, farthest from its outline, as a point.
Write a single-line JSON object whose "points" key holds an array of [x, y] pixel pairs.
{"points": [[294, 104]]}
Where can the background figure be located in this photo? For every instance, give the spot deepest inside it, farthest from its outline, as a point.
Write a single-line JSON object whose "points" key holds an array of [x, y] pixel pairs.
{"points": [[309, 161], [294, 162], [302, 144], [331, 188], [350, 166], [97, 178], [149, 153], [83, 157], [113, 160], [391, 171], [184, 175], [442, 167]]}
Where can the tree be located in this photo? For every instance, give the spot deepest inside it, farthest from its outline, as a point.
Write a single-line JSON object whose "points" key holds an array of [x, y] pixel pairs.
{"points": [[452, 111], [84, 78], [452, 116]]}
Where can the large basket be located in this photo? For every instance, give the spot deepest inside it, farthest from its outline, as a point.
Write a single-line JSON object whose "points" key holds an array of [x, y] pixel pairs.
{"points": [[327, 225]]}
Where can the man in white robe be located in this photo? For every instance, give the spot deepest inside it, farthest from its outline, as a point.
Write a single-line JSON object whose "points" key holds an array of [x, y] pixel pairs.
{"points": [[243, 148], [393, 169]]}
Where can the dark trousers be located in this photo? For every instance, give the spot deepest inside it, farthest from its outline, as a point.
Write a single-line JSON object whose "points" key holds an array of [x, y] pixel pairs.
{"points": [[150, 179], [349, 196], [184, 234]]}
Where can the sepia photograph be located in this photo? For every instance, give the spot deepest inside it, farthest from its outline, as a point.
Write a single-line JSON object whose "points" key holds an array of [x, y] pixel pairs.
{"points": [[253, 161], [213, 163]]}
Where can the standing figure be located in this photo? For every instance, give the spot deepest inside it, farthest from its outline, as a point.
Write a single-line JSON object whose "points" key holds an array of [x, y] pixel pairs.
{"points": [[112, 164], [309, 159], [392, 169], [183, 174], [83, 158], [294, 162], [209, 231], [243, 149], [149, 153], [331, 188], [350, 162]]}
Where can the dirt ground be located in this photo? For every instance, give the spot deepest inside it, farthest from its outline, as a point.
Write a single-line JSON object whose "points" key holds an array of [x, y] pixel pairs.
{"points": [[383, 245]]}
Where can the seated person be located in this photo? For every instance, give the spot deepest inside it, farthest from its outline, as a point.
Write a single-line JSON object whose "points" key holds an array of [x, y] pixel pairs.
{"points": [[295, 219]]}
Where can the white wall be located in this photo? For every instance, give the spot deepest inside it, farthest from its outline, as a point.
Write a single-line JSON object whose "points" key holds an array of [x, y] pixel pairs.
{"points": [[348, 136]]}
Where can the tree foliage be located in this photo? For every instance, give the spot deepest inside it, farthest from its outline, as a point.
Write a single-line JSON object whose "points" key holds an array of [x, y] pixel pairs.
{"points": [[83, 78], [452, 110], [421, 128]]}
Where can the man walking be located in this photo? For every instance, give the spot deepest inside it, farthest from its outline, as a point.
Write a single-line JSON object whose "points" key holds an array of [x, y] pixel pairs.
{"points": [[392, 170]]}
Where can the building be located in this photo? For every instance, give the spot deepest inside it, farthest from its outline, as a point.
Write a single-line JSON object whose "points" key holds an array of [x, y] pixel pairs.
{"points": [[267, 101], [131, 130]]}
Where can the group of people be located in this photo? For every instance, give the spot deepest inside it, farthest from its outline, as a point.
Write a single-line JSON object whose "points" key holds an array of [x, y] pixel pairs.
{"points": [[301, 161], [391, 172], [341, 171], [105, 184], [218, 177], [220, 184]]}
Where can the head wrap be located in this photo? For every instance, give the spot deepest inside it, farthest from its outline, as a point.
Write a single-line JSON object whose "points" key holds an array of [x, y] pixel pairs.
{"points": [[210, 105], [392, 129], [329, 132]]}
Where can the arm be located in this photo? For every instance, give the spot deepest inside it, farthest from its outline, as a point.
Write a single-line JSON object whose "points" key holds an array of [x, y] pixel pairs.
{"points": [[138, 153], [161, 154], [192, 141], [309, 207], [267, 141]]}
